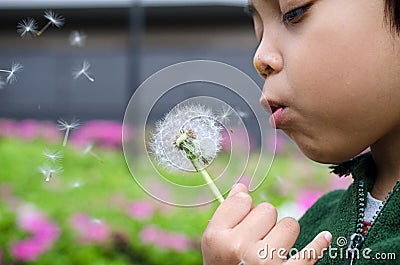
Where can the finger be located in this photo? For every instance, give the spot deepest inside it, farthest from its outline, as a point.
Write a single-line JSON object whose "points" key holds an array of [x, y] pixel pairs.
{"points": [[314, 251], [257, 223], [238, 187], [231, 212], [284, 234]]}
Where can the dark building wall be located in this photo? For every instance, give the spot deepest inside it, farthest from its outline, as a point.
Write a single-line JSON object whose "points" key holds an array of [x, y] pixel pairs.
{"points": [[121, 56]]}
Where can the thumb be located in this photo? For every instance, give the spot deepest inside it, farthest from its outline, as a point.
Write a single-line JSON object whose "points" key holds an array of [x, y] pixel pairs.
{"points": [[314, 251]]}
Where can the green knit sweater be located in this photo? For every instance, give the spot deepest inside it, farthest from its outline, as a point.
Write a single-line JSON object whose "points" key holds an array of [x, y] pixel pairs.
{"points": [[337, 212]]}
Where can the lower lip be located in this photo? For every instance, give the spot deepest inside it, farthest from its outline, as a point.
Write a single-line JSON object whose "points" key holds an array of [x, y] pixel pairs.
{"points": [[276, 119]]}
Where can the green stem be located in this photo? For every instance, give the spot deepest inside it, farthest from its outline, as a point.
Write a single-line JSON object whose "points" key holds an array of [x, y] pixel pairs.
{"points": [[209, 182]]}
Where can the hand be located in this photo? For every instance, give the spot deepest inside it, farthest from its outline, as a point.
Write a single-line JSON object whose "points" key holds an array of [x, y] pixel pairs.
{"points": [[240, 233]]}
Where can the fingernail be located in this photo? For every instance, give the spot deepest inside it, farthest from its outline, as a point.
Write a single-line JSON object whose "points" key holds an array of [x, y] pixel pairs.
{"points": [[233, 190], [328, 237]]}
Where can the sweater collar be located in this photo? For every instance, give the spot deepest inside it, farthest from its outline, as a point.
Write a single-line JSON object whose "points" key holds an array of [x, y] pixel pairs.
{"points": [[360, 167]]}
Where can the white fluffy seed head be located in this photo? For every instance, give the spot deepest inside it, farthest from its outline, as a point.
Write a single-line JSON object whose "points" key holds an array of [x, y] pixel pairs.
{"points": [[63, 125], [48, 171], [82, 70], [54, 156], [54, 18], [77, 38], [27, 28], [204, 135]]}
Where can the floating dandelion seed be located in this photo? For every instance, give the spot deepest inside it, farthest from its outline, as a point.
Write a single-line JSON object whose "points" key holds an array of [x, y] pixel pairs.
{"points": [[11, 78], [188, 138], [83, 71], [54, 19], [77, 38], [77, 184], [89, 150], [67, 127], [54, 156], [49, 172], [27, 28], [226, 113]]}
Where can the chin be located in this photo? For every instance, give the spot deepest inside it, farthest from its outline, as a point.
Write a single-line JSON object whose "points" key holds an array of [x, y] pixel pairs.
{"points": [[326, 152]]}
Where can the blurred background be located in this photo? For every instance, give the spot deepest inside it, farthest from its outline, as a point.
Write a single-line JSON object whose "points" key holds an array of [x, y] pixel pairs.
{"points": [[78, 203], [126, 42]]}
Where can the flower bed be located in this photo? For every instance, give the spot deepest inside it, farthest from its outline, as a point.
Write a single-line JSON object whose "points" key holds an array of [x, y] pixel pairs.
{"points": [[93, 212]]}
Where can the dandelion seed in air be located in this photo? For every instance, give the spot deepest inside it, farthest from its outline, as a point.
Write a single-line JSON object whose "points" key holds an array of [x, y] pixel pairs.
{"points": [[89, 150], [49, 172], [67, 127], [83, 71], [11, 78], [53, 19], [54, 156], [27, 28], [187, 138], [77, 38]]}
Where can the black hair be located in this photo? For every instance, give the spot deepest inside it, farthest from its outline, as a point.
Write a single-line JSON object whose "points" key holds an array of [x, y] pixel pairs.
{"points": [[392, 14]]}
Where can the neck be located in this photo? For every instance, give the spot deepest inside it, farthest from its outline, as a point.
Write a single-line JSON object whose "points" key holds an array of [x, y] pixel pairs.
{"points": [[387, 159]]}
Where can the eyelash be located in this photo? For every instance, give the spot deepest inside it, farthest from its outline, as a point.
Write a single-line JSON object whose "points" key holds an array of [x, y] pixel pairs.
{"points": [[294, 16]]}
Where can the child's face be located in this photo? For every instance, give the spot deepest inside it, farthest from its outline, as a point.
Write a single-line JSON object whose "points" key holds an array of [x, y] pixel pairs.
{"points": [[335, 66]]}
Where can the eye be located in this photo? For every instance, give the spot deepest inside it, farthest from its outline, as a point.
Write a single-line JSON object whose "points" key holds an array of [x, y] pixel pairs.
{"points": [[294, 16]]}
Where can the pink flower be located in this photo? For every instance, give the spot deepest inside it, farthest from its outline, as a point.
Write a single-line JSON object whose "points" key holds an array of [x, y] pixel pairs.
{"points": [[140, 210], [7, 128], [340, 183], [49, 131], [164, 240], [90, 230], [27, 250], [307, 198], [44, 234], [239, 140], [29, 129], [275, 144], [102, 133]]}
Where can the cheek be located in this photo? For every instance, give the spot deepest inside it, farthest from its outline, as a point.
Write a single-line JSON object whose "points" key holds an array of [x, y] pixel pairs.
{"points": [[340, 87]]}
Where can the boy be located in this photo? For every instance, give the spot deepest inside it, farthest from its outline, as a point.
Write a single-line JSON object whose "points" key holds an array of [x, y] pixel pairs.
{"points": [[331, 70]]}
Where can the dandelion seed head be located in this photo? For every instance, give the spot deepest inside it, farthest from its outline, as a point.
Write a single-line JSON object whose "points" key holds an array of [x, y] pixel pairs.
{"points": [[16, 67], [27, 28], [63, 125], [53, 155], [225, 116], [243, 114], [82, 70], [77, 184], [87, 149], [196, 122], [77, 38], [48, 171], [54, 18], [96, 221]]}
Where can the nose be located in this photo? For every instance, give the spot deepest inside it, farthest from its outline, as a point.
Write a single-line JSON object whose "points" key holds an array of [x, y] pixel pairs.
{"points": [[268, 59]]}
